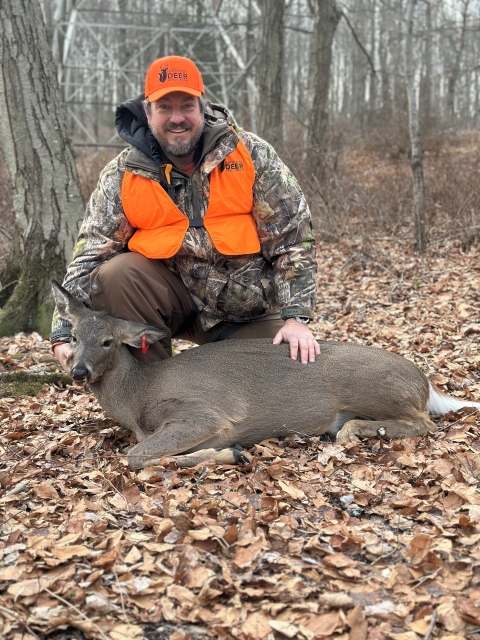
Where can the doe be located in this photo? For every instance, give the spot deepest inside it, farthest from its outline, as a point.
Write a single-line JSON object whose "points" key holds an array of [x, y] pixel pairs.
{"points": [[208, 402]]}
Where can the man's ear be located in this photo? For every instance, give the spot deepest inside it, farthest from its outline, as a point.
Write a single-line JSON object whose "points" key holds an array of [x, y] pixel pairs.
{"points": [[131, 333], [68, 306]]}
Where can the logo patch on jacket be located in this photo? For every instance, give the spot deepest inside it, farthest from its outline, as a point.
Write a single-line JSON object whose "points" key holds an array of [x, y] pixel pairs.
{"points": [[173, 74], [231, 165]]}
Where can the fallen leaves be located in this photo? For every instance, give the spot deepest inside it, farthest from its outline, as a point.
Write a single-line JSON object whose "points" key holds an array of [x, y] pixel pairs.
{"points": [[245, 556], [313, 541], [126, 632], [418, 548], [28, 587], [291, 490]]}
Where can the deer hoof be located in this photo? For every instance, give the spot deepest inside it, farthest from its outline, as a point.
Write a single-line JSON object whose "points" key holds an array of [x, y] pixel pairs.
{"points": [[238, 455]]}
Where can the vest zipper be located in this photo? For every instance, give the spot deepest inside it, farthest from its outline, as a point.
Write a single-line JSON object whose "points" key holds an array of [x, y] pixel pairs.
{"points": [[192, 196]]}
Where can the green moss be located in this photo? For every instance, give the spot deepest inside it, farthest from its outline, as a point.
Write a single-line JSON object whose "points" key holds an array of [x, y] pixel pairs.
{"points": [[44, 318], [27, 383], [30, 305], [8, 277]]}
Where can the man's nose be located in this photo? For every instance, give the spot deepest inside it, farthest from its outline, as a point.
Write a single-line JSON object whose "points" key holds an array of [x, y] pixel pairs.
{"points": [[177, 116]]}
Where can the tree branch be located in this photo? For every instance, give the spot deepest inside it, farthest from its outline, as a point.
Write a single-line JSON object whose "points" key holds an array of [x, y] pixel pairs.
{"points": [[357, 40]]}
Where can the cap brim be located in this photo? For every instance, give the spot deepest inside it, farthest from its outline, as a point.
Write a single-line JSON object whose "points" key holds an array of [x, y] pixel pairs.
{"points": [[156, 95]]}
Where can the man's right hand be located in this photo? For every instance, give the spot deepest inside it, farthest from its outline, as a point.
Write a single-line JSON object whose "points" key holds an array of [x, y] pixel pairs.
{"points": [[64, 354]]}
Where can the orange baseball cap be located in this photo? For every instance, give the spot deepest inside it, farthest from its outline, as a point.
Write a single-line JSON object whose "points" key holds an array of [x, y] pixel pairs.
{"points": [[172, 73]]}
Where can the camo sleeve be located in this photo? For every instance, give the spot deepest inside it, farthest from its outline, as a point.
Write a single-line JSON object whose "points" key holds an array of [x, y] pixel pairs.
{"points": [[104, 233], [284, 226]]}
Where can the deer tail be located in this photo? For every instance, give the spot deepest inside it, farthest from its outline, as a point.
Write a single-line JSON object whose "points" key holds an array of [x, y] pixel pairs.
{"points": [[439, 403]]}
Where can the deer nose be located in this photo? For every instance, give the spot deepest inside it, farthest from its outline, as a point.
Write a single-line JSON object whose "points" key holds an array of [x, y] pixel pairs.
{"points": [[80, 373]]}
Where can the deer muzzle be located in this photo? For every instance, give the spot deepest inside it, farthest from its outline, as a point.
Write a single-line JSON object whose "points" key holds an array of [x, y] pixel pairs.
{"points": [[80, 374]]}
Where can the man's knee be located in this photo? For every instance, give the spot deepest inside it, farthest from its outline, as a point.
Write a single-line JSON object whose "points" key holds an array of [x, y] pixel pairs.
{"points": [[133, 287], [125, 269]]}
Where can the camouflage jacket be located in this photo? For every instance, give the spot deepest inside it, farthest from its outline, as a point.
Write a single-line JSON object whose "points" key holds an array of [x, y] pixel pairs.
{"points": [[232, 288]]}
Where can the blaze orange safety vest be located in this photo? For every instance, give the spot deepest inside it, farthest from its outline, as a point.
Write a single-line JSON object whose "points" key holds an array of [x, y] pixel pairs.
{"points": [[161, 226]]}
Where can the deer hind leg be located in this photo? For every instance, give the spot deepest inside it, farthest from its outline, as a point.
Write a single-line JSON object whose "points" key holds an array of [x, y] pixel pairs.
{"points": [[415, 425]]}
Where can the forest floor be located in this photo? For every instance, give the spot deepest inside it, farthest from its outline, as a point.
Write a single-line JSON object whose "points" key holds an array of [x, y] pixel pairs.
{"points": [[313, 540]]}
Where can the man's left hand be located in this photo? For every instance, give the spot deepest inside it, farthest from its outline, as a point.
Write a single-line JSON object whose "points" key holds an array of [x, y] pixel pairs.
{"points": [[299, 337]]}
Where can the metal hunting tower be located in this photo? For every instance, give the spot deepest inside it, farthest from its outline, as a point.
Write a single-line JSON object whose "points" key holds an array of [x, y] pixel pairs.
{"points": [[103, 50]]}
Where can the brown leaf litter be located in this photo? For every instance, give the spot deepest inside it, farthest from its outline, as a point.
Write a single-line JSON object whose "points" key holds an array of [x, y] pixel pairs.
{"points": [[314, 540]]}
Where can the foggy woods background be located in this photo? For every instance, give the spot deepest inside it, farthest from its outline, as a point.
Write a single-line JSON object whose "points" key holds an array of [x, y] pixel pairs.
{"points": [[270, 61], [325, 82]]}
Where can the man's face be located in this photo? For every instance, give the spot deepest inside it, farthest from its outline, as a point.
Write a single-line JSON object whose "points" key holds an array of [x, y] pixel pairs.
{"points": [[177, 123]]}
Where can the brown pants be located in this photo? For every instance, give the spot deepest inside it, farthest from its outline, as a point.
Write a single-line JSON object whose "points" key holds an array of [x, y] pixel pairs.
{"points": [[133, 287]]}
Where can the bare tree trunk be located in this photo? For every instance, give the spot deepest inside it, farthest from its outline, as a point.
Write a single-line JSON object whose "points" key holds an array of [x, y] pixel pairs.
{"points": [[467, 105], [476, 107], [416, 163], [399, 96], [39, 159], [58, 37], [426, 82], [455, 70], [249, 53], [124, 90], [382, 56], [325, 20], [359, 75], [358, 86], [373, 50], [270, 71]]}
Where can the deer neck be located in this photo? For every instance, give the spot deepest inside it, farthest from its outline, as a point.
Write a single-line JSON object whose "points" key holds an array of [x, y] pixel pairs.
{"points": [[120, 390]]}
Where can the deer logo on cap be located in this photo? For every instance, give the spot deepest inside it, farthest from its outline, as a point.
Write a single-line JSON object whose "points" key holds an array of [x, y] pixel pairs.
{"points": [[162, 76]]}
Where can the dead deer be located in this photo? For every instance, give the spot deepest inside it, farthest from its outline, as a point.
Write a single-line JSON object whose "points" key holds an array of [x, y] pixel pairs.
{"points": [[210, 401]]}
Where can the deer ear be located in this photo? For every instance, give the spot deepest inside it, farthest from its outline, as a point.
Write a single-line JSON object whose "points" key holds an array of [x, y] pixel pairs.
{"points": [[131, 333], [68, 306]]}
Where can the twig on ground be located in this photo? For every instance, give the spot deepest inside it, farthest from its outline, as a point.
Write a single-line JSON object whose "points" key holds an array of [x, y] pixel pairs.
{"points": [[468, 346], [234, 505], [5, 521], [15, 615], [386, 555], [69, 604], [115, 489], [427, 364], [430, 576], [432, 626], [222, 542], [456, 421], [14, 453], [18, 489], [121, 595], [348, 260]]}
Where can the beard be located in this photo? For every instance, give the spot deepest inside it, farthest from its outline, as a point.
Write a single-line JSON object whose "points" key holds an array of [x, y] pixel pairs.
{"points": [[177, 149]]}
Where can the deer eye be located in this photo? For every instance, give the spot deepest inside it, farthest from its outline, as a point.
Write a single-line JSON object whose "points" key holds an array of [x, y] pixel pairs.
{"points": [[107, 343], [73, 339]]}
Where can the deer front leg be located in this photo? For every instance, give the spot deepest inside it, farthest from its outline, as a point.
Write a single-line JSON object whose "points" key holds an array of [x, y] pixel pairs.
{"points": [[230, 455], [391, 429], [184, 429]]}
